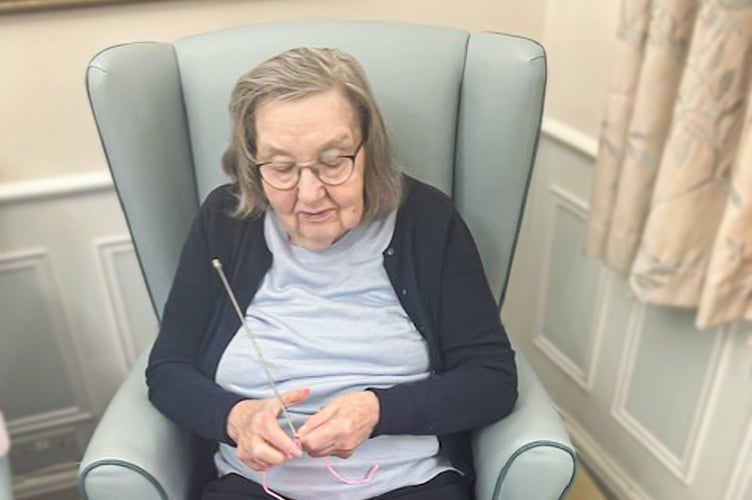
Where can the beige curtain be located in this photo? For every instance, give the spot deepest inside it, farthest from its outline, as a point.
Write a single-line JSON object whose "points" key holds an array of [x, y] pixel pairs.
{"points": [[672, 193]]}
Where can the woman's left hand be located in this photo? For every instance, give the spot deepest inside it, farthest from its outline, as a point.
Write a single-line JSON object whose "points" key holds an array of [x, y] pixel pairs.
{"points": [[341, 426]]}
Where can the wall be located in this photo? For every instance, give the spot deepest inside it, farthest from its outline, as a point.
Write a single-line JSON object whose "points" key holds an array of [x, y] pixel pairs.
{"points": [[658, 409], [45, 124], [82, 314], [74, 309]]}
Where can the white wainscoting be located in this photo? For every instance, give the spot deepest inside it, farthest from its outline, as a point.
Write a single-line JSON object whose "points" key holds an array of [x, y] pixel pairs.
{"points": [[581, 372], [131, 314], [740, 487], [677, 463], [656, 408], [71, 299], [47, 387]]}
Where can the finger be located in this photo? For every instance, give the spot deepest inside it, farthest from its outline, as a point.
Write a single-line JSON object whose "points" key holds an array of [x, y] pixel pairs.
{"points": [[258, 465], [343, 453], [322, 440], [265, 454], [275, 437], [324, 451], [249, 452], [316, 421], [269, 456], [295, 396]]}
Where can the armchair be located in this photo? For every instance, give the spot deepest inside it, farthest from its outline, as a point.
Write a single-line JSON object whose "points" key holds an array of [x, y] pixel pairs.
{"points": [[463, 111]]}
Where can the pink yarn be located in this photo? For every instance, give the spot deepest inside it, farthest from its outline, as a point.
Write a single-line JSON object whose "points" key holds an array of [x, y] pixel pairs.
{"points": [[367, 479]]}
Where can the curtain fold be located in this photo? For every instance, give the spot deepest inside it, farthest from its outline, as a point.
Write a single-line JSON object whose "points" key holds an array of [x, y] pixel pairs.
{"points": [[672, 195]]}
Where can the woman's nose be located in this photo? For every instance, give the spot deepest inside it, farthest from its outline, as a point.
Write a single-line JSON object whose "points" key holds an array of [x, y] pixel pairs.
{"points": [[310, 187]]}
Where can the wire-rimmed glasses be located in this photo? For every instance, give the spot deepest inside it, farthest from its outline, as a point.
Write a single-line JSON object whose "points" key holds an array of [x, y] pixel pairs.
{"points": [[332, 169]]}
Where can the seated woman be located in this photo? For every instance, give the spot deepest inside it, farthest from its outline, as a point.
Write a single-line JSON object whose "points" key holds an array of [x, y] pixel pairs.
{"points": [[365, 301]]}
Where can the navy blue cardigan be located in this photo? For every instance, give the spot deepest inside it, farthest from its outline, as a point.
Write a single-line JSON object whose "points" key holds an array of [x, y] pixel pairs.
{"points": [[436, 271]]}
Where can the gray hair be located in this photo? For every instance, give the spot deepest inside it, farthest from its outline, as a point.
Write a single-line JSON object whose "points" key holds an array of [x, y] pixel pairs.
{"points": [[296, 74]]}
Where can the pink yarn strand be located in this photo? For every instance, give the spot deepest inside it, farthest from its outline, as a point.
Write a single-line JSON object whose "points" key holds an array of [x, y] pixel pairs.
{"points": [[365, 480], [265, 484], [334, 472]]}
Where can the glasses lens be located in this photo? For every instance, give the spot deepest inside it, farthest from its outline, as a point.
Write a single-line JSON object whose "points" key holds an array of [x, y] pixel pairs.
{"points": [[334, 170], [282, 175], [331, 171]]}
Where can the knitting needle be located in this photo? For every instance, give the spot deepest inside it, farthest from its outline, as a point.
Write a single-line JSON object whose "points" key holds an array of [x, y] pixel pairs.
{"points": [[218, 266]]}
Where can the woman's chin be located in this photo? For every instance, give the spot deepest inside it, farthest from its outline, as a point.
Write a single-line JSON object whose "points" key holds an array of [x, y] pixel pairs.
{"points": [[315, 242]]}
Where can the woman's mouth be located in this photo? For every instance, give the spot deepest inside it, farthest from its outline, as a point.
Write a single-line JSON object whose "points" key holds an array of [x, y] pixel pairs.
{"points": [[318, 216]]}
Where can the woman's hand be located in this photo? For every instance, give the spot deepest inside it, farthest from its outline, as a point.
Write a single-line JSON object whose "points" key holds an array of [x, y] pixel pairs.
{"points": [[252, 424], [341, 426]]}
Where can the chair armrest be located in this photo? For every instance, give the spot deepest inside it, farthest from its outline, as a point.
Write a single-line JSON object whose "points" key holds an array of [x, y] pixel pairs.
{"points": [[135, 451], [527, 454]]}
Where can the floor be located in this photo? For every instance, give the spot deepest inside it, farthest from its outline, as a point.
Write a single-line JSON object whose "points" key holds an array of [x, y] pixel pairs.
{"points": [[584, 488]]}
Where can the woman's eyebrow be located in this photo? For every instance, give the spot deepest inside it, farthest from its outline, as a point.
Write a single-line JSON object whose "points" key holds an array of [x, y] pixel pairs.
{"points": [[271, 150], [337, 142]]}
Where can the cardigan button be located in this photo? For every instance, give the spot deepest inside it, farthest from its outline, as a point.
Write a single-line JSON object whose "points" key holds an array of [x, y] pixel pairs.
{"points": [[390, 251], [404, 291]]}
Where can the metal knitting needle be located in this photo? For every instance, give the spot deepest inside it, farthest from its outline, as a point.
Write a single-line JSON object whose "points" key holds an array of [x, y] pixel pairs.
{"points": [[218, 266]]}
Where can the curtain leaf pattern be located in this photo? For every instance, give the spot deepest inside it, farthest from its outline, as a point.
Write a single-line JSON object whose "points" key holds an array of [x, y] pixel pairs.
{"points": [[672, 191]]}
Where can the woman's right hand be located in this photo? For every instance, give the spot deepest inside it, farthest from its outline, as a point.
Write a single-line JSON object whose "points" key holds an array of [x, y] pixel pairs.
{"points": [[261, 442]]}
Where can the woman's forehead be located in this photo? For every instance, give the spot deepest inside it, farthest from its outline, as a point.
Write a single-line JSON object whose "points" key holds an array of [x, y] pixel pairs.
{"points": [[321, 120]]}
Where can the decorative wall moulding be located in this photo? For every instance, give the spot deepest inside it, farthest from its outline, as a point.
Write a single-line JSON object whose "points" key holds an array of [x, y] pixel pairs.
{"points": [[47, 187], [563, 201], [682, 465], [611, 472], [8, 6], [570, 136], [107, 249]]}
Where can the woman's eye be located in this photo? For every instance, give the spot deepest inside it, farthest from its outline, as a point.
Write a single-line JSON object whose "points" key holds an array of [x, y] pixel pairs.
{"points": [[331, 161], [282, 167]]}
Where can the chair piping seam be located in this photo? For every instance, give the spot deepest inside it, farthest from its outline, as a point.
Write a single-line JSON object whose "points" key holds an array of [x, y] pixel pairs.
{"points": [[529, 446], [121, 463]]}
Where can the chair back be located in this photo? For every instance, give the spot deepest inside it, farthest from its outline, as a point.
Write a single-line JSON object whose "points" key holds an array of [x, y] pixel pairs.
{"points": [[462, 110]]}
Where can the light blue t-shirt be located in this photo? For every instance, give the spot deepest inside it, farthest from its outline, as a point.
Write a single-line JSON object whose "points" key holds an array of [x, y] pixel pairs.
{"points": [[331, 321]]}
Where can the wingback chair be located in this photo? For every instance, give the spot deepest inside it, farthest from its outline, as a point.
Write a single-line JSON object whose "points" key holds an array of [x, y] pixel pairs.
{"points": [[463, 111]]}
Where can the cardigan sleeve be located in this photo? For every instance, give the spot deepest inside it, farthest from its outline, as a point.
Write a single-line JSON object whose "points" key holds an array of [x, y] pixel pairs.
{"points": [[177, 388], [478, 382]]}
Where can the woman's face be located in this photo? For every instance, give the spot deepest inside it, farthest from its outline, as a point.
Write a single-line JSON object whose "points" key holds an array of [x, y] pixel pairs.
{"points": [[315, 215]]}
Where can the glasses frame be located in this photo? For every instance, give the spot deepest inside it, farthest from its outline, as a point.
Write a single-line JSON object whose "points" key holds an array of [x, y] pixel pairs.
{"points": [[314, 166]]}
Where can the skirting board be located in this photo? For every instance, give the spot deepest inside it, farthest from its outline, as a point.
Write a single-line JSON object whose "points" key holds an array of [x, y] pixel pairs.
{"points": [[607, 473]]}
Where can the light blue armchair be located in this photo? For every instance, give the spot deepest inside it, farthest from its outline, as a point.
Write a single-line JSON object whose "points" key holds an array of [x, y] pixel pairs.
{"points": [[463, 111]]}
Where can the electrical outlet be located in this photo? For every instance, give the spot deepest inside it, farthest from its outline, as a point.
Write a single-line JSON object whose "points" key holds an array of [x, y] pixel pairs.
{"points": [[41, 450]]}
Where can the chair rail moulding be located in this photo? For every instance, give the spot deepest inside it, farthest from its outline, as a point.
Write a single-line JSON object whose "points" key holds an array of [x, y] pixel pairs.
{"points": [[8, 6], [47, 187]]}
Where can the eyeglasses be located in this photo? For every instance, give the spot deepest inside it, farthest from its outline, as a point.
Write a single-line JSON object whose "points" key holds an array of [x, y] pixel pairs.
{"points": [[331, 169]]}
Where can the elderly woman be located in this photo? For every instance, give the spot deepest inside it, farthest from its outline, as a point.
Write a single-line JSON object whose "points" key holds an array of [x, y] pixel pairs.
{"points": [[366, 306]]}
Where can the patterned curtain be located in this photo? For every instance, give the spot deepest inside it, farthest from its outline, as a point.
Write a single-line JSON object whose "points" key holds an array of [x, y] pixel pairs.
{"points": [[672, 193]]}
